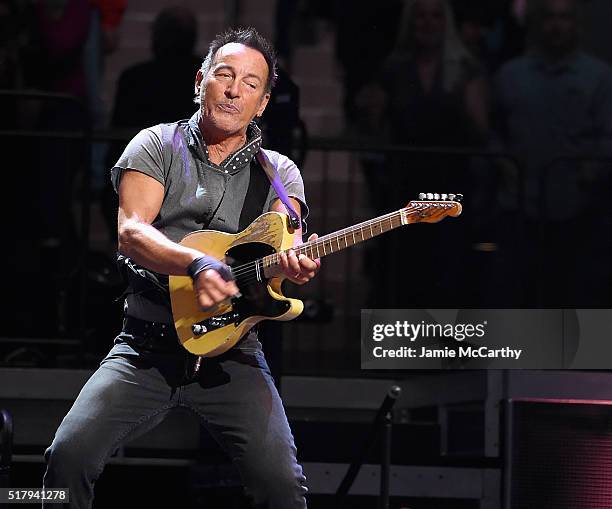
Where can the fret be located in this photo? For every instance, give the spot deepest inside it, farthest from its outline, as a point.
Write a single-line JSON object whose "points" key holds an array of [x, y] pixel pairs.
{"points": [[313, 249]]}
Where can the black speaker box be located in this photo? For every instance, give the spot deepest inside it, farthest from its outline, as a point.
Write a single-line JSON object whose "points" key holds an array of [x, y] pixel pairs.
{"points": [[558, 454]]}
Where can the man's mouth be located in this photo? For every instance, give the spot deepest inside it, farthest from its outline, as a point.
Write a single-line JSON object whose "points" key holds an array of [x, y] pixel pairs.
{"points": [[229, 108]]}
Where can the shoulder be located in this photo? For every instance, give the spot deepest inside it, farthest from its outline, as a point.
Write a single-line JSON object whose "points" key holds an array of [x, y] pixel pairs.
{"points": [[149, 135], [280, 161], [163, 133]]}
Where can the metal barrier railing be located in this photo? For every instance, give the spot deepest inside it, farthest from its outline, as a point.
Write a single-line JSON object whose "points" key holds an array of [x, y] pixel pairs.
{"points": [[56, 102]]}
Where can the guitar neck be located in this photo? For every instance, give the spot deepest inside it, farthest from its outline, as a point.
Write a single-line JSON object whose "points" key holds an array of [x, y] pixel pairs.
{"points": [[337, 241], [417, 211]]}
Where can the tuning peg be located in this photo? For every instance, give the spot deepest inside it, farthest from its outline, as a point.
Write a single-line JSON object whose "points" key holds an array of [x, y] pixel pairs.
{"points": [[436, 196], [422, 196], [430, 196], [459, 197], [444, 196]]}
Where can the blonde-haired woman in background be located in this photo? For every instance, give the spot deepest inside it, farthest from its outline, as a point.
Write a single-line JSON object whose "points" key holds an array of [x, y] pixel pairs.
{"points": [[436, 89]]}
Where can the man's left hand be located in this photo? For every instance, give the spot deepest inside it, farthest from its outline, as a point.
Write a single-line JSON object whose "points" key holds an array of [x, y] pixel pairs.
{"points": [[302, 269]]}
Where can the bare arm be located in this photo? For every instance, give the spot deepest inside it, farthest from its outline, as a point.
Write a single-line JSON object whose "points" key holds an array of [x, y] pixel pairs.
{"points": [[140, 200]]}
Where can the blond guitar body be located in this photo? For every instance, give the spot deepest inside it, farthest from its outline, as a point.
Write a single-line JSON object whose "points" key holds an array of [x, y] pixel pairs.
{"points": [[214, 332]]}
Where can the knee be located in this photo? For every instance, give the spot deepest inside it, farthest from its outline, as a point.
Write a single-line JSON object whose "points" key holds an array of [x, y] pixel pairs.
{"points": [[66, 459]]}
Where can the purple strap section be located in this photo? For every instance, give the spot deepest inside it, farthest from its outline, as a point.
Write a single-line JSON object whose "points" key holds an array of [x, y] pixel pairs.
{"points": [[278, 186]]}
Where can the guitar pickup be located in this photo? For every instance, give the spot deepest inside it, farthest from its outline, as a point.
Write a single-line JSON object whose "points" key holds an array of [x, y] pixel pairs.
{"points": [[215, 322]]}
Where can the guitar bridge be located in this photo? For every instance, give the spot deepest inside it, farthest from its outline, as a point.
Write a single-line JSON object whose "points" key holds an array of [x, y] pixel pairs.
{"points": [[215, 322]]}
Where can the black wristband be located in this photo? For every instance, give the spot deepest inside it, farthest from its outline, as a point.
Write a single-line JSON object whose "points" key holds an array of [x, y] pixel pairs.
{"points": [[205, 262]]}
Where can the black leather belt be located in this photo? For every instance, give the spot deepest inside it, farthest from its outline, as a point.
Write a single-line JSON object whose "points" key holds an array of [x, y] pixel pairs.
{"points": [[152, 336]]}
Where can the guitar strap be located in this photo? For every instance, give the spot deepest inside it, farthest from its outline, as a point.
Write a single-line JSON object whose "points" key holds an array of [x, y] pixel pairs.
{"points": [[278, 186], [256, 195]]}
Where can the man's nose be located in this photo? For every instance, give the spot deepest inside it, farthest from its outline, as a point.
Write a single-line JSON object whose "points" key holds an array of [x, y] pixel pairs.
{"points": [[232, 89]]}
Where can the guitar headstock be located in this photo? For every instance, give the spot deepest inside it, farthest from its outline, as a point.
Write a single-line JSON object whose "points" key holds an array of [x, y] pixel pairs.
{"points": [[433, 207]]}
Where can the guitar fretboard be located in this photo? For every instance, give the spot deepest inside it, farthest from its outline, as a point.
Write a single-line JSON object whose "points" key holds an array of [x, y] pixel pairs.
{"points": [[337, 241]]}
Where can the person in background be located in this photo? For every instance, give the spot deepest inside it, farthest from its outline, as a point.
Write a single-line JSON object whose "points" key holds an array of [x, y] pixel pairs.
{"points": [[436, 88], [166, 96], [555, 101], [430, 92]]}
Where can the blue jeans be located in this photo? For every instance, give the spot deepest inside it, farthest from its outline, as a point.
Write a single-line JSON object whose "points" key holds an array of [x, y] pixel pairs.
{"points": [[133, 390]]}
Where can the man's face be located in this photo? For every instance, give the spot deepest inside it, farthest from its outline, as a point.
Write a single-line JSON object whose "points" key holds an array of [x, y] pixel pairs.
{"points": [[559, 29], [429, 23], [233, 91]]}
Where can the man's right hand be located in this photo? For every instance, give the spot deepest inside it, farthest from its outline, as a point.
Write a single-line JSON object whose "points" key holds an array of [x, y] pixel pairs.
{"points": [[211, 289]]}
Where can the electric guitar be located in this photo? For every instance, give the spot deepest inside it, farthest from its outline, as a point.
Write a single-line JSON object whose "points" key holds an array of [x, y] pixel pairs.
{"points": [[253, 255]]}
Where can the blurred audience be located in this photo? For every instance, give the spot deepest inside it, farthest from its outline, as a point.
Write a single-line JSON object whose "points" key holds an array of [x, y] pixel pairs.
{"points": [[364, 37], [158, 90], [430, 92], [555, 101], [493, 32], [436, 89]]}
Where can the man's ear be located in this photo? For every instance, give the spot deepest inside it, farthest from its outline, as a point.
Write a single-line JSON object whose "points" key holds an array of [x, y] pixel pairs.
{"points": [[198, 82], [263, 103]]}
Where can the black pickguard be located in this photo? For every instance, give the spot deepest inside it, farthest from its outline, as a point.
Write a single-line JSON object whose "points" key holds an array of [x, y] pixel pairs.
{"points": [[255, 299]]}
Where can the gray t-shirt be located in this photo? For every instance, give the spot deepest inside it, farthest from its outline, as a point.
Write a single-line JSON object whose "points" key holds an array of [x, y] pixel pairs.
{"points": [[198, 194]]}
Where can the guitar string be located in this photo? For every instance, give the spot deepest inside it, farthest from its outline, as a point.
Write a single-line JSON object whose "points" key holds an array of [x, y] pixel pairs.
{"points": [[247, 273], [250, 266], [330, 238]]}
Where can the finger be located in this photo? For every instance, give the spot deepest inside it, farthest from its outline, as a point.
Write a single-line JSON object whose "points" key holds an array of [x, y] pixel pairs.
{"points": [[294, 263], [283, 261], [215, 295], [224, 289], [211, 297], [230, 289], [204, 301], [307, 264], [214, 285], [314, 236]]}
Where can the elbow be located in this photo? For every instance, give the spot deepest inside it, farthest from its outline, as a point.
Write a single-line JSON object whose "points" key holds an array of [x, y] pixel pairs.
{"points": [[126, 237]]}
